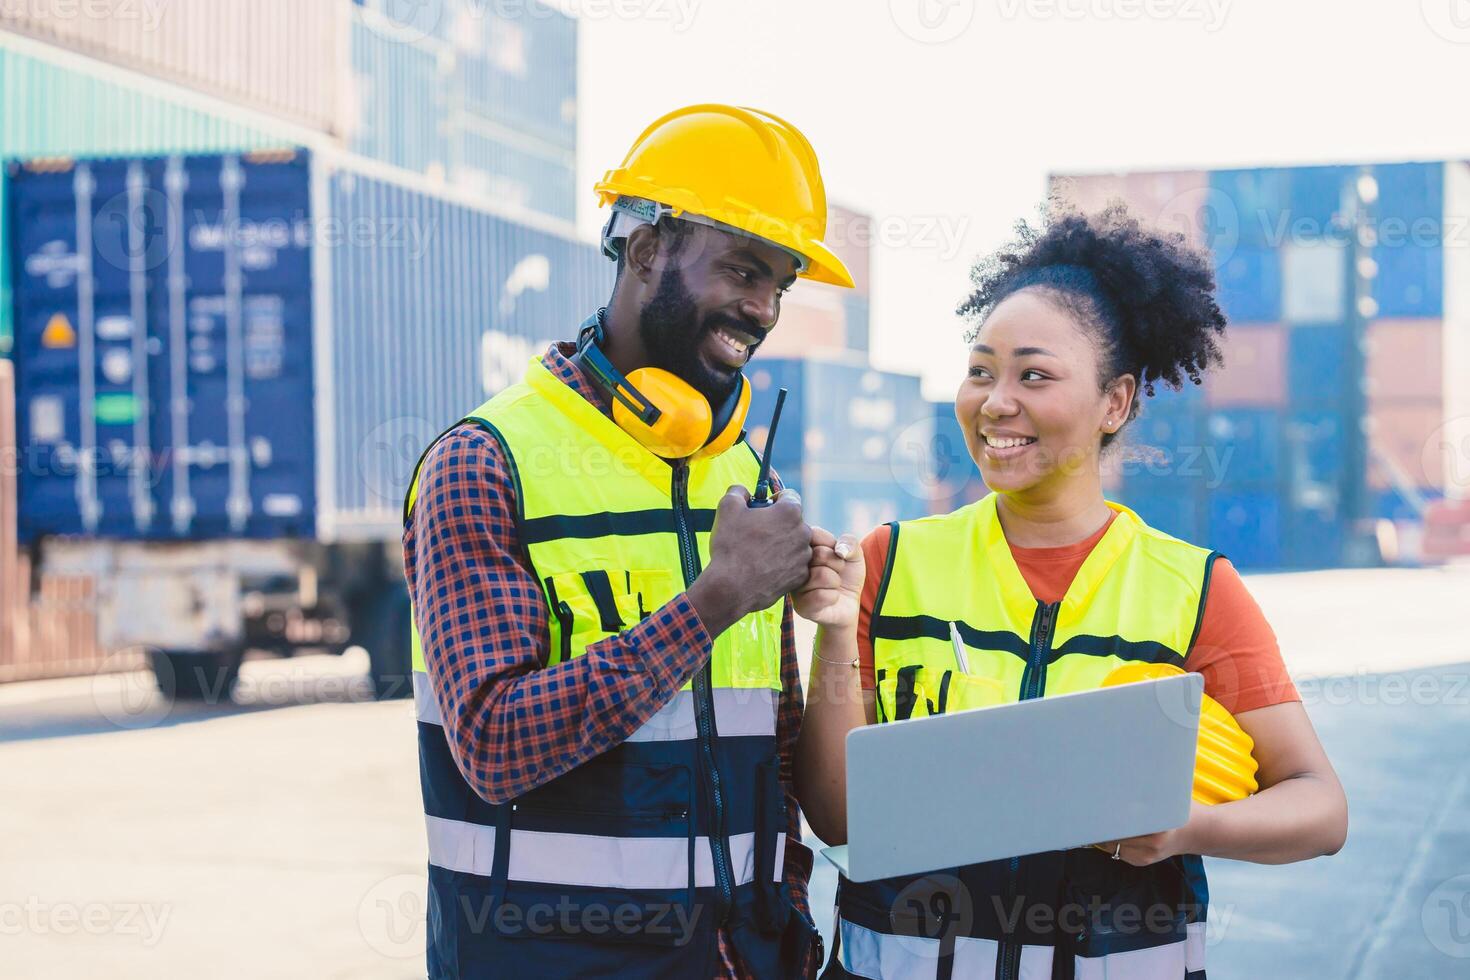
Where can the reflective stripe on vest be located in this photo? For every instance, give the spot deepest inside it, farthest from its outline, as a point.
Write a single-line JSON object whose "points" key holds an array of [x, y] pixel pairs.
{"points": [[1138, 596], [870, 954], [612, 534]]}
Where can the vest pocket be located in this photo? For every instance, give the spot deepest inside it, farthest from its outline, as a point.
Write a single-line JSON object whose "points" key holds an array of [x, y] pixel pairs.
{"points": [[917, 691], [588, 606]]}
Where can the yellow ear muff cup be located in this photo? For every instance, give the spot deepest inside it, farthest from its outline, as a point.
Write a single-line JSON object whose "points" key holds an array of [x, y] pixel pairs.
{"points": [[684, 421], [1224, 769], [733, 426]]}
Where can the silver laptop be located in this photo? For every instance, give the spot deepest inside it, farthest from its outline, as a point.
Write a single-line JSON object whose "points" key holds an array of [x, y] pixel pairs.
{"points": [[1016, 779]]}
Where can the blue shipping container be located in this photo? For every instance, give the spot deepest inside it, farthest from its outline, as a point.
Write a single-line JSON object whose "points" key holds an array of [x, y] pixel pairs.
{"points": [[1255, 199], [1248, 283], [229, 346], [1244, 447], [1319, 365], [1246, 528], [1179, 514], [850, 414]]}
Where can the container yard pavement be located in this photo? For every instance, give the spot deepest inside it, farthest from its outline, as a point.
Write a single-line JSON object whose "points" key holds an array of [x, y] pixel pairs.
{"points": [[282, 836]]}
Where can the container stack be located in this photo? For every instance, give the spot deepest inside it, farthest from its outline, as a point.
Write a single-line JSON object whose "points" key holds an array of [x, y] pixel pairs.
{"points": [[1322, 425], [852, 440], [816, 317]]}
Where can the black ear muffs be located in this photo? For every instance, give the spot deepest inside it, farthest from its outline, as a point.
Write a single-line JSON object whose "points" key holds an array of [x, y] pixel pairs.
{"points": [[662, 411]]}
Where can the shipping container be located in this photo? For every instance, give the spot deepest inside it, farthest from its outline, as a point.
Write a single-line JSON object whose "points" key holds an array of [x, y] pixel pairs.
{"points": [[517, 66], [1245, 526], [52, 107], [851, 413], [1245, 447], [856, 500], [1313, 538], [1255, 200], [398, 104], [1179, 514], [1248, 284], [1411, 225], [250, 284], [1254, 373], [279, 56], [858, 313], [1406, 444], [1321, 365], [1318, 449], [227, 371], [1317, 201], [1177, 202], [412, 105], [1405, 360], [1314, 282]]}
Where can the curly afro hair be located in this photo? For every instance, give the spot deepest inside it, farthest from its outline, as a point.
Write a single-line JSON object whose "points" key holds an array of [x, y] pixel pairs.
{"points": [[1148, 298]]}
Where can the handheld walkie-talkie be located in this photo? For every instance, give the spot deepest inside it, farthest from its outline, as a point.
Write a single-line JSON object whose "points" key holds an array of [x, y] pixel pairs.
{"points": [[762, 497]]}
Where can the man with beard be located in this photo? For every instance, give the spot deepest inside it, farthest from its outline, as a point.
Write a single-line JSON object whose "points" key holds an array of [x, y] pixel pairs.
{"points": [[605, 675]]}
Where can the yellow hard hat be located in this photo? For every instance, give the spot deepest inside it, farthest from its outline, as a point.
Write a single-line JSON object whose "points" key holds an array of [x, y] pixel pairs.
{"points": [[1224, 768], [739, 168]]}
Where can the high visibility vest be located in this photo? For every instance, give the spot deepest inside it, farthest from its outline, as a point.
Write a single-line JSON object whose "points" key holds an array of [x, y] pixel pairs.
{"points": [[628, 864], [1138, 596]]}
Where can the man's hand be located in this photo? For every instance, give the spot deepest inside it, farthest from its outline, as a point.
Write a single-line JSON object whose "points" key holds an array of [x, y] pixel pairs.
{"points": [[834, 582], [757, 555]]}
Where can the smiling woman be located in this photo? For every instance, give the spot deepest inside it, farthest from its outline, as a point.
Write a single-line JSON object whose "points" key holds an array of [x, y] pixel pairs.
{"points": [[1045, 588]]}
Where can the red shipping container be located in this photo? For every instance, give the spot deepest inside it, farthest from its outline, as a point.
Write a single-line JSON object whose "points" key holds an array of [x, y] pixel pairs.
{"points": [[1172, 201], [812, 319], [1254, 373], [1404, 437], [1406, 360]]}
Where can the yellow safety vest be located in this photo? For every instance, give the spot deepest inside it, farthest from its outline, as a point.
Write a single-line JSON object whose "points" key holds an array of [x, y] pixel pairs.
{"points": [[680, 826], [1139, 596]]}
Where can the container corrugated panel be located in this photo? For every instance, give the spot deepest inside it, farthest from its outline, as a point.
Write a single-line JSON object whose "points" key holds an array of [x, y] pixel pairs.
{"points": [[1246, 527], [1178, 514], [163, 327], [1312, 539], [1319, 364], [1402, 440], [1247, 446], [859, 322], [1254, 373], [1317, 447], [850, 235], [398, 101], [1404, 358], [1315, 199], [857, 500], [1248, 284], [1254, 200], [842, 415], [518, 66], [518, 176], [440, 309], [47, 110], [813, 318], [1411, 223], [282, 56], [348, 319], [1314, 282]]}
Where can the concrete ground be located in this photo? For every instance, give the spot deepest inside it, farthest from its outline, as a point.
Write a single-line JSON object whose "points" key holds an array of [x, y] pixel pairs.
{"points": [[282, 836]]}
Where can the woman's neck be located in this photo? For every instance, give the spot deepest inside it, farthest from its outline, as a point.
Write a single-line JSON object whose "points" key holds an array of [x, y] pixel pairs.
{"points": [[1037, 519]]}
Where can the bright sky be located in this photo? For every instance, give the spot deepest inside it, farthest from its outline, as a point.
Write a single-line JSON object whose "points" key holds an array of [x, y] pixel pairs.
{"points": [[943, 117]]}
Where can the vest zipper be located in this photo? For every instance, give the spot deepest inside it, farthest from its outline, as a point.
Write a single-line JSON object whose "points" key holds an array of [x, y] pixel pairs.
{"points": [[1033, 685], [704, 711]]}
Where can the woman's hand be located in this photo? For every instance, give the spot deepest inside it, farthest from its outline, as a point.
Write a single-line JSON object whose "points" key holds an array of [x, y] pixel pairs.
{"points": [[1153, 848], [834, 581]]}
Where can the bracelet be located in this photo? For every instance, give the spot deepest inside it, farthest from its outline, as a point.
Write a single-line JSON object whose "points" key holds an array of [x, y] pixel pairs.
{"points": [[836, 663]]}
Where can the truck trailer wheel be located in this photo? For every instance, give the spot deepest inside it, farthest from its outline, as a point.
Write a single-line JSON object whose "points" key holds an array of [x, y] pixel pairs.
{"points": [[196, 675], [389, 646]]}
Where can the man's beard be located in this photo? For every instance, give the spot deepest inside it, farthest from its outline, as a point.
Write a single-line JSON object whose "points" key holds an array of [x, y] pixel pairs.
{"points": [[673, 336]]}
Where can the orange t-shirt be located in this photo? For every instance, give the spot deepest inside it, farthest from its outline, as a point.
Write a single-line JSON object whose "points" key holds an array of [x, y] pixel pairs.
{"points": [[1236, 649]]}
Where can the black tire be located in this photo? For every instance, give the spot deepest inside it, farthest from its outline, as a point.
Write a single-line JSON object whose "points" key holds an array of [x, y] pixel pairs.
{"points": [[196, 675], [389, 644]]}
